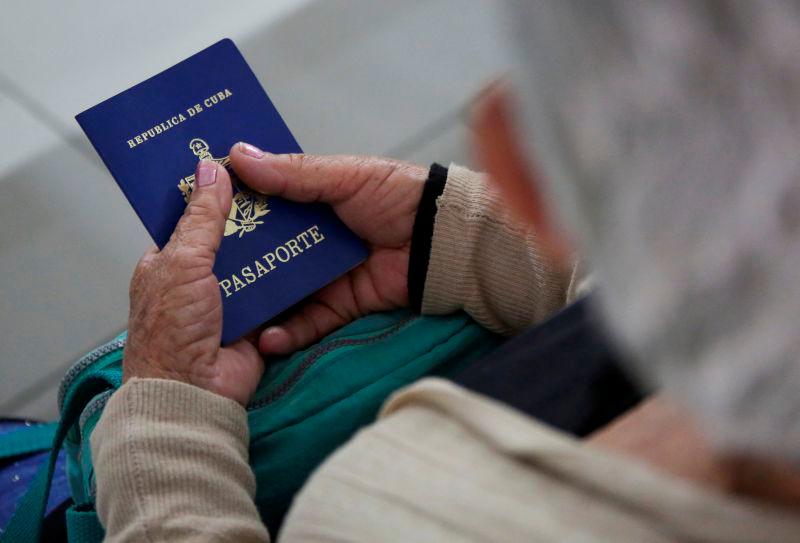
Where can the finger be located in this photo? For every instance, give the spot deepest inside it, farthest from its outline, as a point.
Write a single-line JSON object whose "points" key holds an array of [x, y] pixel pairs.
{"points": [[311, 323], [141, 272], [149, 254], [250, 359], [275, 340], [241, 368], [203, 223], [145, 261], [307, 178]]}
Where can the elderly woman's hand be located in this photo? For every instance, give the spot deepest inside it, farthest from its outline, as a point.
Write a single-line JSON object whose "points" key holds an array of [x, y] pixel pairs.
{"points": [[175, 322], [376, 198]]}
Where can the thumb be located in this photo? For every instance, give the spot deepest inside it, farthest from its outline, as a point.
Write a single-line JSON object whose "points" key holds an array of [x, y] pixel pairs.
{"points": [[203, 223], [307, 178]]}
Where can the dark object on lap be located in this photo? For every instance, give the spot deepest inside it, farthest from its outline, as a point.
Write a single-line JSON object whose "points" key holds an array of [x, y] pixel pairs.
{"points": [[563, 372]]}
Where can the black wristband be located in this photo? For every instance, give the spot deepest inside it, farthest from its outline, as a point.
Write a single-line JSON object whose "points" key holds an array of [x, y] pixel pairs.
{"points": [[422, 235]]}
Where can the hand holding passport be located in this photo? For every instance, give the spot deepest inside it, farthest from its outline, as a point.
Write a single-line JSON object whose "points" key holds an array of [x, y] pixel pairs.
{"points": [[375, 197], [175, 319], [274, 252]]}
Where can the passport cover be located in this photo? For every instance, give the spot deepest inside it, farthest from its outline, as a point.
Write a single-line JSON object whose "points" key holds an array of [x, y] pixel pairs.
{"points": [[274, 252]]}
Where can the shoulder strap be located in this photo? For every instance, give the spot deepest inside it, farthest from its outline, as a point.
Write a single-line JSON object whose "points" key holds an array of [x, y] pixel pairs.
{"points": [[83, 526], [26, 524]]}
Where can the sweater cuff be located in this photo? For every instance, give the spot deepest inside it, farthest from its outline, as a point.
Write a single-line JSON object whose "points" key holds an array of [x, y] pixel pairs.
{"points": [[159, 401], [465, 204], [422, 235], [171, 458]]}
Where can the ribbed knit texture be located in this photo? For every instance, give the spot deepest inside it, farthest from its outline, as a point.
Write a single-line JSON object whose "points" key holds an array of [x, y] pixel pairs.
{"points": [[171, 463], [488, 264], [445, 464]]}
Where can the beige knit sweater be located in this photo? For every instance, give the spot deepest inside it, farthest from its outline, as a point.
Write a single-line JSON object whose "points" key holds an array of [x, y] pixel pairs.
{"points": [[441, 463]]}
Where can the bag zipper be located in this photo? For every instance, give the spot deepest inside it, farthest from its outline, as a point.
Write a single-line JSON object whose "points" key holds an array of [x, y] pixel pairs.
{"points": [[96, 404], [318, 352], [93, 356], [87, 360]]}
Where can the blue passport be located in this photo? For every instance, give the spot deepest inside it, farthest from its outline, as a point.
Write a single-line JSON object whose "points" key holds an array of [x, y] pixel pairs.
{"points": [[274, 252]]}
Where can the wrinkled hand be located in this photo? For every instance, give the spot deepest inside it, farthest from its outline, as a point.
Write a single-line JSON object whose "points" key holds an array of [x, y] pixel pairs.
{"points": [[376, 198], [175, 322]]}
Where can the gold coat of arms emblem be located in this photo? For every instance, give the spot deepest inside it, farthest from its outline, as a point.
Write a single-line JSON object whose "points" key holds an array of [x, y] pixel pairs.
{"points": [[247, 206]]}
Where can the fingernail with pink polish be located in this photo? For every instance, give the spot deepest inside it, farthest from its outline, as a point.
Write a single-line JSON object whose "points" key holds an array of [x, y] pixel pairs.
{"points": [[250, 150], [206, 173]]}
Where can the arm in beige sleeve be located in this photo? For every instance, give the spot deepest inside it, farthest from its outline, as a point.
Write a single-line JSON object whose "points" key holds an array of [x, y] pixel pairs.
{"points": [[171, 464], [489, 264]]}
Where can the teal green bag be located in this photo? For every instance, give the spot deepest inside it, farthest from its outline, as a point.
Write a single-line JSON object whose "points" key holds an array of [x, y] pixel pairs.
{"points": [[305, 407]]}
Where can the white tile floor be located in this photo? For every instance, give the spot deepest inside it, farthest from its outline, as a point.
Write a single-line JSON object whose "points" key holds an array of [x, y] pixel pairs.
{"points": [[349, 76]]}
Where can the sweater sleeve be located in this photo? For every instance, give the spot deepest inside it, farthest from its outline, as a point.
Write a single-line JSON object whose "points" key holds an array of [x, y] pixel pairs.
{"points": [[485, 262], [171, 464]]}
